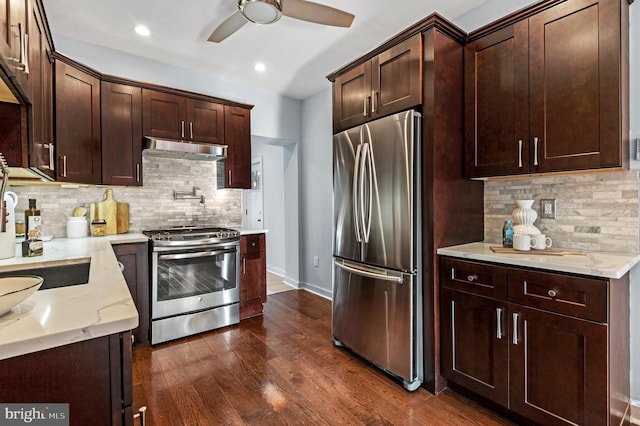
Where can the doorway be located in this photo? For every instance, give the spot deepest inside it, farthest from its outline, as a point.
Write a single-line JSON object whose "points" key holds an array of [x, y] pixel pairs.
{"points": [[253, 199]]}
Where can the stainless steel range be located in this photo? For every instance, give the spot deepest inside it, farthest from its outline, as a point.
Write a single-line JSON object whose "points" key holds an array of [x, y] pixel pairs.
{"points": [[194, 280]]}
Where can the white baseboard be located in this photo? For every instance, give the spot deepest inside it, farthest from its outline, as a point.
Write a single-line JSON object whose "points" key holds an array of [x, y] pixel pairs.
{"points": [[277, 271], [635, 413], [319, 291]]}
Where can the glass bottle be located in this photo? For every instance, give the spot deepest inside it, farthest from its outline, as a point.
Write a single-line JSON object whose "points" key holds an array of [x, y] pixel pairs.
{"points": [[32, 221]]}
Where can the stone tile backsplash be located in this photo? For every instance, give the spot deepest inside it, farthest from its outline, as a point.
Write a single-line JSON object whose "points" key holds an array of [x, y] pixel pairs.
{"points": [[150, 206], [595, 211]]}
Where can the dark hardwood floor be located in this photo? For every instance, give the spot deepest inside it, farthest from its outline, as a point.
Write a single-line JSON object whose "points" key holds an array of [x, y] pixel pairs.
{"points": [[282, 368]]}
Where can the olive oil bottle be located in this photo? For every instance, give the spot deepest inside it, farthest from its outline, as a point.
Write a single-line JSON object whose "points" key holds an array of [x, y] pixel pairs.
{"points": [[32, 220]]}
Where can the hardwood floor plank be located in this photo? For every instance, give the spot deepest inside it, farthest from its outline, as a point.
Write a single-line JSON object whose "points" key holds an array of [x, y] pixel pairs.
{"points": [[283, 369]]}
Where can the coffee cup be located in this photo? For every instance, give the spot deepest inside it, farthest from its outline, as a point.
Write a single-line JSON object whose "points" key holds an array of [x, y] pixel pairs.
{"points": [[522, 242], [540, 242]]}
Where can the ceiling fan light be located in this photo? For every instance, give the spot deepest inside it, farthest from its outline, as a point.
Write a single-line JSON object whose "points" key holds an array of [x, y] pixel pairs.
{"points": [[261, 11]]}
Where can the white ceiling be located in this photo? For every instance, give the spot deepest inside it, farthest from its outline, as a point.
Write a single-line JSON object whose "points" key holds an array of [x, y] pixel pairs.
{"points": [[298, 55]]}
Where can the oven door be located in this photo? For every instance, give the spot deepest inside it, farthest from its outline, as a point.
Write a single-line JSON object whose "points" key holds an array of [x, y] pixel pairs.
{"points": [[196, 279]]}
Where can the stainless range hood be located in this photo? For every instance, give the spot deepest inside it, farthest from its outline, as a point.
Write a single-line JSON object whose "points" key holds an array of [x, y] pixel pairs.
{"points": [[183, 149]]}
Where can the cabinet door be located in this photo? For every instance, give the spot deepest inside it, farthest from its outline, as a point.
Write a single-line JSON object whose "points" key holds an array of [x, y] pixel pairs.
{"points": [[352, 98], [121, 134], [41, 76], [253, 277], [77, 103], [5, 29], [575, 72], [475, 348], [135, 267], [205, 121], [496, 103], [19, 53], [558, 368], [396, 78], [237, 132], [164, 115]]}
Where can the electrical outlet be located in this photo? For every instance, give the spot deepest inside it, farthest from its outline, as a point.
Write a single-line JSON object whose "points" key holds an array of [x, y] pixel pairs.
{"points": [[548, 209], [316, 261]]}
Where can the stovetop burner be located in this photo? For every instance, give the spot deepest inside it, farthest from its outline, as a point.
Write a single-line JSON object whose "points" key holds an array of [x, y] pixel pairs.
{"points": [[191, 233]]}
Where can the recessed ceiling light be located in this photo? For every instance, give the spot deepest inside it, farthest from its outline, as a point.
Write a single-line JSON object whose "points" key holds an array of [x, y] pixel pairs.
{"points": [[142, 30], [260, 67]]}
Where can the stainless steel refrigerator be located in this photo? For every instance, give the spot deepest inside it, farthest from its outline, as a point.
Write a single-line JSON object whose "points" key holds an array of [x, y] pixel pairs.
{"points": [[377, 281]]}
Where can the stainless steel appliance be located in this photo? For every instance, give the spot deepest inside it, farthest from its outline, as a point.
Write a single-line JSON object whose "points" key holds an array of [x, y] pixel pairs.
{"points": [[377, 280], [194, 281]]}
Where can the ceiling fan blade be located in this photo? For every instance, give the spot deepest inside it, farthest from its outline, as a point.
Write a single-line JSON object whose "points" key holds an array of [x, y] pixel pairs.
{"points": [[318, 13], [230, 25]]}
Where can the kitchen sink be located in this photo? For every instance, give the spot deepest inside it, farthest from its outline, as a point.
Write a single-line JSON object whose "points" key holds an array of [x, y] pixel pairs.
{"points": [[58, 275]]}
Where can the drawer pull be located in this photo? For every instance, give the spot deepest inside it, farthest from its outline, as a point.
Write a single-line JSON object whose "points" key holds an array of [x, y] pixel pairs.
{"points": [[552, 293], [499, 333], [471, 278], [516, 333]]}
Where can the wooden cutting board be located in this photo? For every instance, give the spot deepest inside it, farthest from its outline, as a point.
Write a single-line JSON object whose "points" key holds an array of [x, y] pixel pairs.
{"points": [[546, 252], [122, 217], [107, 210]]}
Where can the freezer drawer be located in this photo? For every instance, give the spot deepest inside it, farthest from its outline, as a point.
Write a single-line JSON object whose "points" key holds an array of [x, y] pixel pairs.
{"points": [[375, 315]]}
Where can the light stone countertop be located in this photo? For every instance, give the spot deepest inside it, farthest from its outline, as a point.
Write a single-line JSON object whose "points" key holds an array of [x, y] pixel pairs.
{"points": [[65, 315], [248, 231], [597, 264]]}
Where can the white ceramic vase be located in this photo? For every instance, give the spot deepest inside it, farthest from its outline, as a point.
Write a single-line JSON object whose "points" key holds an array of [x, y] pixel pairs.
{"points": [[523, 218]]}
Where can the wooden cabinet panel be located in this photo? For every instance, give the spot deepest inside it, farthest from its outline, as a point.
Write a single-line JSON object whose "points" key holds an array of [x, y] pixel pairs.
{"points": [[253, 275], [77, 103], [475, 349], [121, 134], [135, 264], [164, 115], [549, 93], [496, 103], [390, 82], [205, 121], [237, 129], [473, 277], [558, 369], [92, 376], [397, 77], [575, 75]]}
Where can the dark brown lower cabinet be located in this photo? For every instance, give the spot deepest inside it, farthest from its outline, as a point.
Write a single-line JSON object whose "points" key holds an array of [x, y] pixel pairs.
{"points": [[253, 275], [93, 376], [135, 268], [553, 349]]}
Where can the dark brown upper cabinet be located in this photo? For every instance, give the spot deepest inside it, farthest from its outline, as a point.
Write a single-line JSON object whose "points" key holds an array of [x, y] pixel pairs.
{"points": [[549, 93], [389, 82], [77, 112], [121, 134], [177, 117], [237, 125]]}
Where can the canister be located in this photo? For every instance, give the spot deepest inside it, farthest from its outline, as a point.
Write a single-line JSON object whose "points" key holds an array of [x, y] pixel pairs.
{"points": [[77, 227]]}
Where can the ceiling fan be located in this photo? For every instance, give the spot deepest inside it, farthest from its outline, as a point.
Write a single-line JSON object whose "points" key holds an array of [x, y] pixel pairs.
{"points": [[269, 11]]}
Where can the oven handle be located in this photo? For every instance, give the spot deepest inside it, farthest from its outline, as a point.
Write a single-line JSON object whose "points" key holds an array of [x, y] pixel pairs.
{"points": [[198, 254]]}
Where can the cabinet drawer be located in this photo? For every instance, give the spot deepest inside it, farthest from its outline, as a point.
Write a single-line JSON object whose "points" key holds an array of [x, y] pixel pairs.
{"points": [[579, 297], [252, 248], [471, 277]]}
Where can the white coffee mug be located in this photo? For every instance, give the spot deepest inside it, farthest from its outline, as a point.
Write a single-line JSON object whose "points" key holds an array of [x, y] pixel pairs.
{"points": [[522, 242], [540, 242]]}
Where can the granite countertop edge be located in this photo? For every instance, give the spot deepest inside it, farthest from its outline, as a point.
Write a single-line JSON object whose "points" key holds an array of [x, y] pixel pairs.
{"points": [[596, 264]]}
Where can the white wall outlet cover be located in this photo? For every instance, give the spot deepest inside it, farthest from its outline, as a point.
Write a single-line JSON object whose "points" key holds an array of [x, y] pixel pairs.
{"points": [[548, 209]]}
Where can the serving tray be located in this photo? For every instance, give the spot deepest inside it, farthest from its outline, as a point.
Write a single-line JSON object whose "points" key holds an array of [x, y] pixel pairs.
{"points": [[546, 252]]}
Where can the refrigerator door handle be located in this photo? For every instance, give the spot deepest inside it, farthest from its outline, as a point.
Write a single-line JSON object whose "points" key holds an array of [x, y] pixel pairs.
{"points": [[370, 273], [356, 215], [365, 206]]}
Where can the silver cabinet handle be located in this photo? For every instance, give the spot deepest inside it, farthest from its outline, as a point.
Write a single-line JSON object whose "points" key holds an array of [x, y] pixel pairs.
{"points": [[64, 166], [229, 177], [499, 332], [552, 293], [244, 265], [138, 172], [364, 113], [52, 162], [453, 273], [141, 414], [520, 153], [191, 130], [374, 95], [472, 277], [535, 151], [182, 129], [121, 266], [516, 334]]}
